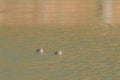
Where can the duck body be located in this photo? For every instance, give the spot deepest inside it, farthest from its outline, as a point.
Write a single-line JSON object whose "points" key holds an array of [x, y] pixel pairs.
{"points": [[58, 53], [41, 51]]}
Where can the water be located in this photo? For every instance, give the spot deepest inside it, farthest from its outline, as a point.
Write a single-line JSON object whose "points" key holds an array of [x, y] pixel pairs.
{"points": [[89, 52]]}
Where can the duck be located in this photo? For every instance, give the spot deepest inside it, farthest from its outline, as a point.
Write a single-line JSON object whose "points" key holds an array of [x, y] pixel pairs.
{"points": [[41, 51], [58, 53]]}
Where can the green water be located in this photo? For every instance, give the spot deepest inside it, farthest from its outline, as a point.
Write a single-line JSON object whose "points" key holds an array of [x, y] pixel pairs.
{"points": [[89, 53]]}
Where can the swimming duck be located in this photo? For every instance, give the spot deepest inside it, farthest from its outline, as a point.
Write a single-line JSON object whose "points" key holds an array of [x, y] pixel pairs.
{"points": [[41, 51], [58, 53]]}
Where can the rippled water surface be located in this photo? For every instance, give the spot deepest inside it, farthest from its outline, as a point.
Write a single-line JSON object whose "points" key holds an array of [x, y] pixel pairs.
{"points": [[90, 53]]}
